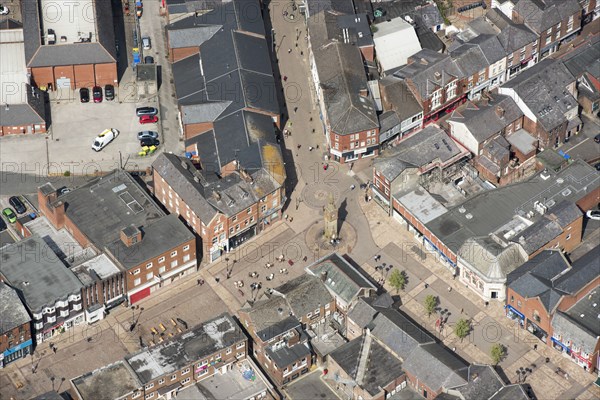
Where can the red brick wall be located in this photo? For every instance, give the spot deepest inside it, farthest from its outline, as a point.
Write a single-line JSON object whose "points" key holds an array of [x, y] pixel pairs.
{"points": [[192, 130], [569, 301], [589, 201], [43, 76], [106, 74], [181, 53], [84, 76], [574, 230], [14, 336]]}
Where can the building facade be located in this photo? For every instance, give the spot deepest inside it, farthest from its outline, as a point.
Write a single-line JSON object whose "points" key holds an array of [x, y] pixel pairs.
{"points": [[15, 330]]}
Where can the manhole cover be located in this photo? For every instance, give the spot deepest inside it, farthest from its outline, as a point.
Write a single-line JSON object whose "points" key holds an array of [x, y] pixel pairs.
{"points": [[316, 195]]}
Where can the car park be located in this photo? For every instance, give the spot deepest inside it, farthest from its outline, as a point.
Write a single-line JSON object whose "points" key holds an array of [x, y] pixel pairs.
{"points": [[148, 119], [16, 202], [97, 94], [147, 135], [593, 214], [149, 142], [10, 215], [109, 92], [146, 43], [146, 111], [84, 95], [104, 138]]}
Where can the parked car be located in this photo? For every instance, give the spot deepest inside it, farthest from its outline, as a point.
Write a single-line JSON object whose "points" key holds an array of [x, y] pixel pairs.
{"points": [[597, 166], [146, 43], [147, 135], [146, 111], [148, 60], [16, 202], [104, 138], [593, 214], [2, 225], [109, 92], [597, 138], [84, 95], [4, 10], [63, 190], [148, 119], [149, 142], [10, 215], [97, 94]]}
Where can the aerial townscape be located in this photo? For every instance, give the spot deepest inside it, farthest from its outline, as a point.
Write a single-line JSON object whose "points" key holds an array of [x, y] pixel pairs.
{"points": [[299, 199]]}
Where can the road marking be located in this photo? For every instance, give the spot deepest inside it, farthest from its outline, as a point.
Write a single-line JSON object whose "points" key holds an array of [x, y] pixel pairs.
{"points": [[582, 142]]}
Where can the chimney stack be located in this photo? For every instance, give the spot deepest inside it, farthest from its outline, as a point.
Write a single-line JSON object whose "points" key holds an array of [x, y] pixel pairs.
{"points": [[131, 235], [324, 276], [500, 112]]}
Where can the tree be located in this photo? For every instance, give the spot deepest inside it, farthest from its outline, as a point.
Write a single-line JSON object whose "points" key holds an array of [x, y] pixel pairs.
{"points": [[398, 280], [462, 328], [497, 352], [431, 303]]}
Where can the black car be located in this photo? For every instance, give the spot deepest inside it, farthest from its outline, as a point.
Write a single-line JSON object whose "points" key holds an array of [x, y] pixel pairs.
{"points": [[597, 138], [109, 92], [149, 142], [148, 60], [140, 111], [597, 166], [84, 95], [2, 224], [17, 204]]}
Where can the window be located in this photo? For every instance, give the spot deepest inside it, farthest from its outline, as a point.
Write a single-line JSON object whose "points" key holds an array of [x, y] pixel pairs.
{"points": [[317, 311], [149, 386], [149, 275], [186, 247], [309, 315], [137, 281], [326, 306], [275, 202], [436, 99], [137, 271], [512, 299], [548, 39], [186, 380], [481, 76], [149, 396], [186, 258], [337, 137], [173, 263], [237, 227], [203, 372], [568, 236], [251, 219], [136, 395], [234, 218], [185, 371], [249, 210], [240, 345], [518, 303], [161, 260], [451, 90], [230, 231], [173, 254], [228, 350], [161, 381], [173, 377], [263, 208], [162, 269], [570, 23]]}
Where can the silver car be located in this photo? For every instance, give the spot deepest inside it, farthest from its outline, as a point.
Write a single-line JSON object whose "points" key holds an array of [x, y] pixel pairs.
{"points": [[146, 111], [147, 135]]}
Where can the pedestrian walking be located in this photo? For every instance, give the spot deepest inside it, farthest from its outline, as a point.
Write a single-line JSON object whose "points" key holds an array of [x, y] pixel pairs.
{"points": [[449, 289], [295, 109], [299, 146], [285, 78], [198, 282], [289, 51], [310, 148], [301, 53], [535, 346], [426, 285], [462, 310], [352, 187], [351, 166]]}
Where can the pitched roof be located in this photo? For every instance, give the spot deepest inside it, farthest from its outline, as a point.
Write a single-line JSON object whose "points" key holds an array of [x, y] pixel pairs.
{"points": [[436, 366], [399, 98], [395, 41], [579, 324], [304, 294], [540, 15], [12, 311], [584, 59], [482, 383], [492, 260], [270, 317]]}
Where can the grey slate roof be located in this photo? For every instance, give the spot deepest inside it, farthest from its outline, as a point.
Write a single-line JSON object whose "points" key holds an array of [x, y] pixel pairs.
{"points": [[512, 36], [362, 313], [429, 145], [543, 89], [341, 278], [482, 383], [484, 120], [190, 6], [188, 32], [381, 369], [12, 311], [584, 270], [38, 55], [9, 23], [511, 392], [285, 355], [104, 206], [271, 315], [391, 166], [492, 260], [423, 70], [341, 77], [304, 294], [585, 58], [40, 280], [489, 211], [22, 114], [540, 15], [579, 324], [436, 366], [400, 99], [209, 337]]}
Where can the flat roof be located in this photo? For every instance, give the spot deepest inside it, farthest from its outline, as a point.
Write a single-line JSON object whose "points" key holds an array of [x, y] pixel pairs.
{"points": [[73, 20], [31, 267], [62, 243], [203, 340], [422, 204], [110, 382], [98, 268], [522, 141], [242, 382], [325, 339], [13, 70], [587, 311]]}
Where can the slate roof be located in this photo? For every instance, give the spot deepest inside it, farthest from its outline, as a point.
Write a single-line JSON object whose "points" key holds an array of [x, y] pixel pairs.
{"points": [[271, 317], [478, 53], [436, 366], [490, 211], [342, 77], [428, 71], [579, 324], [190, 6], [484, 120], [482, 383], [511, 392], [400, 99], [209, 337], [381, 369], [304, 294], [540, 15], [341, 278], [38, 55], [12, 311], [512, 36], [23, 114], [584, 59], [427, 146], [362, 313], [9, 23], [542, 88], [489, 258], [41, 282], [286, 356]]}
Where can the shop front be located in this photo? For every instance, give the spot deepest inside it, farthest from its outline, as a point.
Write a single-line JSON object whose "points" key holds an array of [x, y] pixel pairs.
{"points": [[560, 346], [581, 360], [241, 237], [514, 314], [538, 332], [19, 351]]}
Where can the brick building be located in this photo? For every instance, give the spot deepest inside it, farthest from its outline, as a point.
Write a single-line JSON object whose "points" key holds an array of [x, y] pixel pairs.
{"points": [[15, 329], [583, 63], [549, 292], [114, 215], [69, 46]]}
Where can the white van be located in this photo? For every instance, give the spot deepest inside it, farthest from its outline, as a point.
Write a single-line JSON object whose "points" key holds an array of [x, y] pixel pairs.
{"points": [[104, 138]]}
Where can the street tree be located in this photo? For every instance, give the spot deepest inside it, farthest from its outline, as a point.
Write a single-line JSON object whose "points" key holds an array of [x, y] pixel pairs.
{"points": [[497, 353], [398, 280], [462, 328], [431, 303]]}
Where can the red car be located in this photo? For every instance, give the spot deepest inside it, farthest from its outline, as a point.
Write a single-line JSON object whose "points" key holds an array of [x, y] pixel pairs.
{"points": [[97, 94], [148, 119]]}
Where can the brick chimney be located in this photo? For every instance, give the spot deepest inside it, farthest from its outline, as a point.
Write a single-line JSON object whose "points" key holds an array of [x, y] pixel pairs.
{"points": [[324, 276], [500, 112], [52, 208], [131, 235]]}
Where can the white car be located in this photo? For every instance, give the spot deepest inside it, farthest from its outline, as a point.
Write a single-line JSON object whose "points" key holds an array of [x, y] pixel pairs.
{"points": [[3, 10], [104, 138], [146, 43], [593, 214]]}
